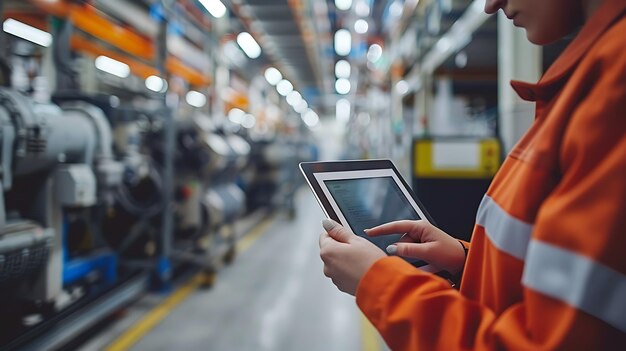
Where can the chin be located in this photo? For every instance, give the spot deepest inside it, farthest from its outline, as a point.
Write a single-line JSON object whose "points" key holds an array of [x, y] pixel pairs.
{"points": [[545, 35], [541, 38]]}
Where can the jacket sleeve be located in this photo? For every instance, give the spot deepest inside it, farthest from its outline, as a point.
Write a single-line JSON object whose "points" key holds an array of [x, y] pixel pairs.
{"points": [[575, 269]]}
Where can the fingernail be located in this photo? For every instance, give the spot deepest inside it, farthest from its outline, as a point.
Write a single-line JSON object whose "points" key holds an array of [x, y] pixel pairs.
{"points": [[328, 224], [392, 249]]}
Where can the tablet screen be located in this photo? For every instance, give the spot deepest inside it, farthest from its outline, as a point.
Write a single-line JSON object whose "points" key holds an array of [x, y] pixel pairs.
{"points": [[369, 202]]}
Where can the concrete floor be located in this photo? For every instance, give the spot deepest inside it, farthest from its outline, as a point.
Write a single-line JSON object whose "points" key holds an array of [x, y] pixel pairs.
{"points": [[273, 297]]}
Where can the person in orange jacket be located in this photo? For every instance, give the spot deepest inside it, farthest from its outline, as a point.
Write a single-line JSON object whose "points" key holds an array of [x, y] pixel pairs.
{"points": [[546, 268]]}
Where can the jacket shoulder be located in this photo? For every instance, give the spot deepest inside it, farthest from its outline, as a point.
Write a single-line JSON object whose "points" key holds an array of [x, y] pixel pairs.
{"points": [[610, 49]]}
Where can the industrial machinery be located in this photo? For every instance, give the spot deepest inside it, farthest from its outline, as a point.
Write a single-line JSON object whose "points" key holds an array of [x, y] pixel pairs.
{"points": [[209, 161], [53, 177], [273, 177], [105, 196]]}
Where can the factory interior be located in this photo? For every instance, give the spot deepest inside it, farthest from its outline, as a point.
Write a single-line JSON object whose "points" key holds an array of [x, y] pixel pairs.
{"points": [[150, 149]]}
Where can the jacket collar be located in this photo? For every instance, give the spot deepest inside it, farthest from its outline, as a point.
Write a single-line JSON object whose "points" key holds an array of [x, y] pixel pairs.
{"points": [[555, 77]]}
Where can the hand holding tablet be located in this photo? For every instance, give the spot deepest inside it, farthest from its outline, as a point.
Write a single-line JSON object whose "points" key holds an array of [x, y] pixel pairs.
{"points": [[364, 194], [424, 240]]}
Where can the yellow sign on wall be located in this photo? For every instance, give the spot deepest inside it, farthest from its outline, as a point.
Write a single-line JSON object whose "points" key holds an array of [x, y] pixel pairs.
{"points": [[456, 158]]}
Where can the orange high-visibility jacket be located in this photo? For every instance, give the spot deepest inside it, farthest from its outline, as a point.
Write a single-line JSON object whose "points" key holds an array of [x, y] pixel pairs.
{"points": [[546, 268]]}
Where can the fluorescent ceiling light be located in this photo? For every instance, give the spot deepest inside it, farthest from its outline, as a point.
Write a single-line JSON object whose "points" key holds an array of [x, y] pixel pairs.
{"points": [[273, 76], [195, 98], [310, 118], [402, 87], [343, 42], [362, 9], [236, 115], [294, 98], [156, 84], [461, 59], [342, 69], [26, 32], [361, 26], [342, 110], [111, 66], [301, 107], [248, 45], [248, 121], [215, 7], [343, 4], [374, 53], [284, 87], [395, 9], [342, 86]]}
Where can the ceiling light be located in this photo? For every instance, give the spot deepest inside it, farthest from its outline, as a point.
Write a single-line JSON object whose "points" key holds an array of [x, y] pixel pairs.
{"points": [[301, 107], [284, 87], [195, 98], [461, 59], [361, 26], [248, 45], [342, 110], [374, 53], [273, 76], [248, 121], [156, 84], [343, 42], [26, 32], [342, 69], [395, 9], [111, 66], [342, 86], [236, 115], [362, 9], [215, 7], [343, 4], [310, 118], [294, 98], [402, 87]]}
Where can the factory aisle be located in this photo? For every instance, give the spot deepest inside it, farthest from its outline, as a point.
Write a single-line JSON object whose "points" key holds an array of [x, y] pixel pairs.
{"points": [[274, 297]]}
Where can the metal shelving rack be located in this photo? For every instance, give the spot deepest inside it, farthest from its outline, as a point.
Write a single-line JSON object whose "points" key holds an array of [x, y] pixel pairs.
{"points": [[63, 327]]}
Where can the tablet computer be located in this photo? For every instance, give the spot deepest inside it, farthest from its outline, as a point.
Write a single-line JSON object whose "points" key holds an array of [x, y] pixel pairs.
{"points": [[363, 194]]}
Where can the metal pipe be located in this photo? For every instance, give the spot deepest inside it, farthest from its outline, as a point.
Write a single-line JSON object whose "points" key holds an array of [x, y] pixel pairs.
{"points": [[104, 147]]}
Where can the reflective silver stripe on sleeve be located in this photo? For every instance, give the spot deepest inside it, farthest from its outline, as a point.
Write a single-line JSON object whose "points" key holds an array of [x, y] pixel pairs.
{"points": [[506, 232], [577, 281]]}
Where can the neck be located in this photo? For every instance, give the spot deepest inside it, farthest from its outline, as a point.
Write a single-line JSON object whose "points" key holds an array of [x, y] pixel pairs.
{"points": [[590, 7]]}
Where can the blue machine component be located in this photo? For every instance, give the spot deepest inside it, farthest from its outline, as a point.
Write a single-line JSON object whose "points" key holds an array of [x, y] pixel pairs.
{"points": [[78, 268], [163, 275]]}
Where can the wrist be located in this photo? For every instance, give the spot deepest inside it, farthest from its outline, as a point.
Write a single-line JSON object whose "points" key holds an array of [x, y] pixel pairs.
{"points": [[456, 278]]}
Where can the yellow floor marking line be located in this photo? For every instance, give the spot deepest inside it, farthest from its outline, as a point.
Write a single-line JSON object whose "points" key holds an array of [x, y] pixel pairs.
{"points": [[370, 339], [155, 316], [246, 242]]}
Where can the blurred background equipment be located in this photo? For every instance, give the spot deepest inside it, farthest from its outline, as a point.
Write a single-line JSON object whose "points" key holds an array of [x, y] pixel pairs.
{"points": [[118, 173]]}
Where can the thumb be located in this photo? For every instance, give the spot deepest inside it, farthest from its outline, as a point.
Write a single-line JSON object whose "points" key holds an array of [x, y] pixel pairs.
{"points": [[337, 231], [412, 250]]}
